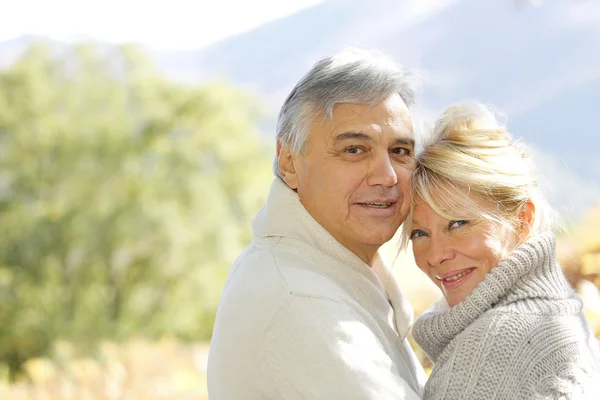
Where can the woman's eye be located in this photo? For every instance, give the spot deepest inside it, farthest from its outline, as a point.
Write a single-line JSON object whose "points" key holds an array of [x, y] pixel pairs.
{"points": [[457, 224], [353, 150], [417, 233]]}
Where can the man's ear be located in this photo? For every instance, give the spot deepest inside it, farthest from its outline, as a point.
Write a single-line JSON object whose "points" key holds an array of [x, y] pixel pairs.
{"points": [[526, 219], [287, 166]]}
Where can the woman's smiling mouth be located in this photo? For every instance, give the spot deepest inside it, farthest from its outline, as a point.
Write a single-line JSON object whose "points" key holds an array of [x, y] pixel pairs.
{"points": [[453, 279]]}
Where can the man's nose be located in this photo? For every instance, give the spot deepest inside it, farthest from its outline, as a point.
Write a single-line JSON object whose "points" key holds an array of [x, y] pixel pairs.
{"points": [[382, 172]]}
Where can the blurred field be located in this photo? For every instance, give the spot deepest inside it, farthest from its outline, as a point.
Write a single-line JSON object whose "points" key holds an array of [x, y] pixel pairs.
{"points": [[168, 369]]}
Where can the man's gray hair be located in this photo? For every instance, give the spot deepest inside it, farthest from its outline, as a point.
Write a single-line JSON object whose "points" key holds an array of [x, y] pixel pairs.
{"points": [[352, 76]]}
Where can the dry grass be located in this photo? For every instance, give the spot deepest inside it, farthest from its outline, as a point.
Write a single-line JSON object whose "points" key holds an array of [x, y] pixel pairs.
{"points": [[138, 369], [141, 370]]}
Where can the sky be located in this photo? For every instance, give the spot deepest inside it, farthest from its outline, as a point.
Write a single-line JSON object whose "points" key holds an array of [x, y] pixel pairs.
{"points": [[168, 25]]}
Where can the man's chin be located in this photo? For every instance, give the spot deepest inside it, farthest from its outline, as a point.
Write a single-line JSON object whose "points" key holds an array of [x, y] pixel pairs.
{"points": [[378, 239]]}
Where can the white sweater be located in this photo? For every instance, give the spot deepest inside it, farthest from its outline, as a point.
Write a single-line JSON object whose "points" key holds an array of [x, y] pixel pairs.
{"points": [[302, 317], [519, 335]]}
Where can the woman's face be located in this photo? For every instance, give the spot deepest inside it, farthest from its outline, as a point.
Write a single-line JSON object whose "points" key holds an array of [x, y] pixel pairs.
{"points": [[457, 254]]}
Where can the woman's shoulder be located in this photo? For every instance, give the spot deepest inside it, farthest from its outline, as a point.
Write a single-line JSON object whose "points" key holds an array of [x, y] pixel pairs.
{"points": [[529, 337], [570, 305], [519, 331], [535, 314]]}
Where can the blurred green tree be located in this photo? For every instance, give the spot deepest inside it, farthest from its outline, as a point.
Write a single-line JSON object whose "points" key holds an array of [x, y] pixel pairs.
{"points": [[124, 198]]}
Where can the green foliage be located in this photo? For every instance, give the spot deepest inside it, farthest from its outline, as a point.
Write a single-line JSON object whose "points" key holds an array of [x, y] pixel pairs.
{"points": [[124, 198]]}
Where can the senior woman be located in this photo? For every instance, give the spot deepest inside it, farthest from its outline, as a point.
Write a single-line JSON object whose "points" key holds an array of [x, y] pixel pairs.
{"points": [[509, 326]]}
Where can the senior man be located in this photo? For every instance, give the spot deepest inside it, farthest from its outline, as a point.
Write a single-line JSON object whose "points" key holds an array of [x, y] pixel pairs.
{"points": [[310, 310]]}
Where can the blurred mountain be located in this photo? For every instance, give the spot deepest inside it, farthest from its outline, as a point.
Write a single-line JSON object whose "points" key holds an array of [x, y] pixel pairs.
{"points": [[538, 64], [11, 49]]}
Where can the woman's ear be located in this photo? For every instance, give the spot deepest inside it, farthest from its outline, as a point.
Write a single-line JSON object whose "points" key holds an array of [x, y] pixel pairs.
{"points": [[287, 166], [526, 218]]}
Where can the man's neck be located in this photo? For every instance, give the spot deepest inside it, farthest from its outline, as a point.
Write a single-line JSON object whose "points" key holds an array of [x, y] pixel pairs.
{"points": [[375, 260], [370, 255]]}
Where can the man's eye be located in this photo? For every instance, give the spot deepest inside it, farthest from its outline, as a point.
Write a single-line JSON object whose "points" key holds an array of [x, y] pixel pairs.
{"points": [[401, 151], [417, 233], [354, 150], [457, 224]]}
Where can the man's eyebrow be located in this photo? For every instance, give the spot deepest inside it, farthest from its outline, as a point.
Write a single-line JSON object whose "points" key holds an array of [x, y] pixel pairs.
{"points": [[405, 142], [363, 136]]}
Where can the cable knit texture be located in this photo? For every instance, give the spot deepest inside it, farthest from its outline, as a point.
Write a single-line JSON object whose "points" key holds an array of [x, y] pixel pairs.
{"points": [[303, 317], [521, 334]]}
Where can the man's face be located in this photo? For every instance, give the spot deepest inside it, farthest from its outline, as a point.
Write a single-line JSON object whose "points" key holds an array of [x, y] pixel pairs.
{"points": [[355, 176]]}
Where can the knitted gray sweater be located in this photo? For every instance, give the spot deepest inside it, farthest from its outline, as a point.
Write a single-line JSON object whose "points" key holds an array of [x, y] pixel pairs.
{"points": [[521, 334]]}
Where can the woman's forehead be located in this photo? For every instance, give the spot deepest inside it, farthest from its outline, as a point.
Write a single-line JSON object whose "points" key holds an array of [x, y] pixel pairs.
{"points": [[455, 203]]}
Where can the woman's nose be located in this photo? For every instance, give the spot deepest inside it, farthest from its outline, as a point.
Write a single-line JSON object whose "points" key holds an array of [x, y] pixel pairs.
{"points": [[440, 249]]}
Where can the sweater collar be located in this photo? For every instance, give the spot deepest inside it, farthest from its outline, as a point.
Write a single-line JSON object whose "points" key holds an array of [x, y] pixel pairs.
{"points": [[531, 272], [285, 217]]}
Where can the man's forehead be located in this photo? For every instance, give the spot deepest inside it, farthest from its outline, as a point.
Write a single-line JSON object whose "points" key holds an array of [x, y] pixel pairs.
{"points": [[352, 113], [394, 105], [390, 117], [367, 129]]}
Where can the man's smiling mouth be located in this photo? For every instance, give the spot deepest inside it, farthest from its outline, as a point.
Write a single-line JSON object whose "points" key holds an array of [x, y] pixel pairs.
{"points": [[376, 205]]}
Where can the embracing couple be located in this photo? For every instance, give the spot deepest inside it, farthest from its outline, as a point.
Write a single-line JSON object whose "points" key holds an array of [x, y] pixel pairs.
{"points": [[311, 310]]}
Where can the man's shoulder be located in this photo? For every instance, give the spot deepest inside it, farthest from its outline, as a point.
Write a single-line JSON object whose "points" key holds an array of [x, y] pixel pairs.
{"points": [[283, 273], [263, 280], [269, 291]]}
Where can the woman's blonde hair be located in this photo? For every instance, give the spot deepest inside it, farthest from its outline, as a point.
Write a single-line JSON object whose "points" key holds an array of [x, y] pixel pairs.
{"points": [[471, 153]]}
